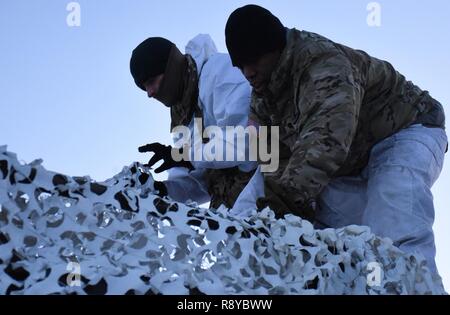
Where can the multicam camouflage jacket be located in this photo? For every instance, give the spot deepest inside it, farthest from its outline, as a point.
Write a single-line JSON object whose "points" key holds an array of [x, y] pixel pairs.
{"points": [[332, 104]]}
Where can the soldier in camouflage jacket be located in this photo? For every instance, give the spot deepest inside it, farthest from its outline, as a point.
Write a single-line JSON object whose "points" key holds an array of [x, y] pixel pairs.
{"points": [[333, 106]]}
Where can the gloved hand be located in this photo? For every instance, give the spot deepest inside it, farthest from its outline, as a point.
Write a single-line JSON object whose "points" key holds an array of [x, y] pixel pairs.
{"points": [[281, 204], [163, 152], [161, 188], [275, 203], [275, 199]]}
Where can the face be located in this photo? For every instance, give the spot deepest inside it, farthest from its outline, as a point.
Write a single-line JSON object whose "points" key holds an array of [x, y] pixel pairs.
{"points": [[152, 85], [259, 72]]}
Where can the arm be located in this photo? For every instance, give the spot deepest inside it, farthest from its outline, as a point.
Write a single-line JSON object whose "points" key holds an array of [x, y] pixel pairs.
{"points": [[183, 185], [330, 99], [225, 98]]}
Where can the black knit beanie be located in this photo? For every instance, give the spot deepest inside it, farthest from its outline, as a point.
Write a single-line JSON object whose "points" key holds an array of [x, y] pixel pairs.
{"points": [[251, 32], [149, 59]]}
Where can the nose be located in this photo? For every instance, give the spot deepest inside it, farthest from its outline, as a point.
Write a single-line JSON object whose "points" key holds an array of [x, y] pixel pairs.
{"points": [[249, 72], [150, 91]]}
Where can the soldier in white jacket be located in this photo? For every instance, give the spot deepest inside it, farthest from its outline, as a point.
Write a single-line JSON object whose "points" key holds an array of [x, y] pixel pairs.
{"points": [[201, 83]]}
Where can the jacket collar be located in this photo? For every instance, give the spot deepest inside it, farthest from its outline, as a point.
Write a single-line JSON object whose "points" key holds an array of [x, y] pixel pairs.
{"points": [[283, 70], [182, 111]]}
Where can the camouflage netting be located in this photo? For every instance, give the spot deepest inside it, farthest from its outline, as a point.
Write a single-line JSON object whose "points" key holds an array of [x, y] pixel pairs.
{"points": [[61, 234]]}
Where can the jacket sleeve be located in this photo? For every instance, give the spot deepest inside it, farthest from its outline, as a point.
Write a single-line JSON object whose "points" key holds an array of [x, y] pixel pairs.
{"points": [[183, 185], [225, 99], [329, 96]]}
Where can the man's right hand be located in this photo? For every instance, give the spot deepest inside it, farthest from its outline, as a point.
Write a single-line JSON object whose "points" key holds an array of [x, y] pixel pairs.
{"points": [[163, 152]]}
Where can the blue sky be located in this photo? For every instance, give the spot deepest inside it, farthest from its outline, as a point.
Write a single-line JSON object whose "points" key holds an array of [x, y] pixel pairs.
{"points": [[66, 94]]}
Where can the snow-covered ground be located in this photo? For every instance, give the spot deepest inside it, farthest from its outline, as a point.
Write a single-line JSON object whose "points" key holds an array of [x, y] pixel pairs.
{"points": [[62, 234]]}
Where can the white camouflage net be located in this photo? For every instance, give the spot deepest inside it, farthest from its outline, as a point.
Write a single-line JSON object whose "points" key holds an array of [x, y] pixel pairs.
{"points": [[66, 235]]}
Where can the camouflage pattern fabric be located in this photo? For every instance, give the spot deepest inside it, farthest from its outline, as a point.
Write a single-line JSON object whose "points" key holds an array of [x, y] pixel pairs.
{"points": [[225, 185], [181, 112], [332, 105], [72, 235]]}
